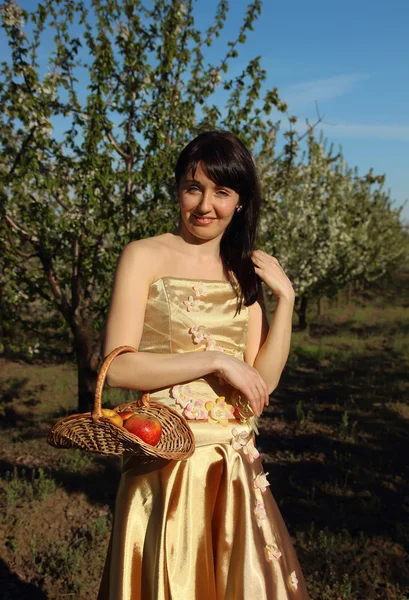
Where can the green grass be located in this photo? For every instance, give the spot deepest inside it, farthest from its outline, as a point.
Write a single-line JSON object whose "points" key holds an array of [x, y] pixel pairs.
{"points": [[76, 461], [27, 487]]}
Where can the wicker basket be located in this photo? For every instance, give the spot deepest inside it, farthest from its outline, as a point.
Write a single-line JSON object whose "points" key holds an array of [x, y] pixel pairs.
{"points": [[96, 433]]}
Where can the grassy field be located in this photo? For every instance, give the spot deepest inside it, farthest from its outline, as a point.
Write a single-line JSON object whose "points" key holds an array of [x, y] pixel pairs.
{"points": [[335, 442]]}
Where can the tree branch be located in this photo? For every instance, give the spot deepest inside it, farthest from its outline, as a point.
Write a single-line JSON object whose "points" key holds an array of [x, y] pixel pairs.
{"points": [[20, 154], [25, 255], [115, 143], [18, 228], [299, 139], [58, 293], [75, 275]]}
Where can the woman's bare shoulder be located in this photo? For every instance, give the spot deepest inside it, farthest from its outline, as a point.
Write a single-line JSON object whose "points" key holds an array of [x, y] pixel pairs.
{"points": [[155, 243], [148, 254]]}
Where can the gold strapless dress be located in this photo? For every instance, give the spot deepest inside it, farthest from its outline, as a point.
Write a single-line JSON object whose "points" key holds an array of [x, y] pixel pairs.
{"points": [[206, 528]]}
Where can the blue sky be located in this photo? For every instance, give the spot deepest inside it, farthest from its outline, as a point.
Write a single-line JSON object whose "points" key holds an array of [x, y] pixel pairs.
{"points": [[352, 58], [349, 57]]}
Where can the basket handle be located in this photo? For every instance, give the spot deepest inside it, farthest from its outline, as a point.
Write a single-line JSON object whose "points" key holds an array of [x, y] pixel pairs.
{"points": [[97, 412]]}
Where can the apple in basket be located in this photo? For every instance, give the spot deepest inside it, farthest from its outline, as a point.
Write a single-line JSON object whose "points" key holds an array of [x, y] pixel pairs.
{"points": [[112, 416], [148, 429], [126, 414]]}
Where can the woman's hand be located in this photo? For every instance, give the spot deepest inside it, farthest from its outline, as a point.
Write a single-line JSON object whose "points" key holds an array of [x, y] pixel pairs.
{"points": [[269, 270], [246, 380]]}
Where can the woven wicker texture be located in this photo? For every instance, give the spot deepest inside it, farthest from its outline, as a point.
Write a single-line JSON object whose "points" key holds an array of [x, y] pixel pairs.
{"points": [[95, 433]]}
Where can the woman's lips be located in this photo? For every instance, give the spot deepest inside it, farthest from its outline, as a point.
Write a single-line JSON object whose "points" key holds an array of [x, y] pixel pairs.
{"points": [[204, 220]]}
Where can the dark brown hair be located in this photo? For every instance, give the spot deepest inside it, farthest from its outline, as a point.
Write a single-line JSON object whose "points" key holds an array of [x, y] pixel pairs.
{"points": [[227, 161]]}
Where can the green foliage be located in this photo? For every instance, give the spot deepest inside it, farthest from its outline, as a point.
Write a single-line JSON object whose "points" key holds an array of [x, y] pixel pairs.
{"points": [[101, 526], [76, 461], [311, 351], [303, 418], [21, 486], [62, 562], [347, 430]]}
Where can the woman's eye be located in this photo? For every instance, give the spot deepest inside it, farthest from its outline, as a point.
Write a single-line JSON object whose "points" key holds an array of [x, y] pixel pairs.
{"points": [[192, 188], [222, 193]]}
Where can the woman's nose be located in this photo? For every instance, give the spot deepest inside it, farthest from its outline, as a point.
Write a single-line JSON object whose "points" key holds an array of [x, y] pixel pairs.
{"points": [[206, 201]]}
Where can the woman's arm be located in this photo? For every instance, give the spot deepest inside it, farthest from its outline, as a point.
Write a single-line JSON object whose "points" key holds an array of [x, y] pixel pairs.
{"points": [[149, 371], [267, 347]]}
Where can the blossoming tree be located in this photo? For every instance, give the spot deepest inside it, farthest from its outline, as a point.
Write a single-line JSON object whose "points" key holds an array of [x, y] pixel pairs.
{"points": [[327, 224], [90, 140]]}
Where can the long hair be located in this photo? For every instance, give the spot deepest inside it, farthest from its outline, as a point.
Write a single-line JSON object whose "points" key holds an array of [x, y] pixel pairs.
{"points": [[227, 162]]}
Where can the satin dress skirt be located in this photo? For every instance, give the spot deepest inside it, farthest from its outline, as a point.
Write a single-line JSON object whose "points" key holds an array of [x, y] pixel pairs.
{"points": [[200, 529]]}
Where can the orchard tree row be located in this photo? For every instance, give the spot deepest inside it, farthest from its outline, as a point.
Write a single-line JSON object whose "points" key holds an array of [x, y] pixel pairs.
{"points": [[328, 225], [90, 138]]}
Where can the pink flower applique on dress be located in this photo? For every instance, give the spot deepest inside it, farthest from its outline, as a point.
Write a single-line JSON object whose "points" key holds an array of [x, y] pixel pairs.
{"points": [[212, 346], [192, 305], [260, 482], [219, 411], [239, 439], [200, 289], [199, 334], [242, 440], [260, 512], [294, 580], [195, 410], [272, 552], [182, 394], [251, 451]]}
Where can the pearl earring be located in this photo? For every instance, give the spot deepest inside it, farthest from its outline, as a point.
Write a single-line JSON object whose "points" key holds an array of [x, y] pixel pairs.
{"points": [[239, 208]]}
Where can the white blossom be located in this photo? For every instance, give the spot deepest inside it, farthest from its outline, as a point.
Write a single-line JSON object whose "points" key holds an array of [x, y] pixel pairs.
{"points": [[12, 15]]}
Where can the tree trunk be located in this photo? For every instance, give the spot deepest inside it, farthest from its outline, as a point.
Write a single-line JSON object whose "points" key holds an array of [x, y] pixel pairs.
{"points": [[88, 356], [320, 306], [6, 327], [302, 313], [349, 292], [339, 298], [86, 378]]}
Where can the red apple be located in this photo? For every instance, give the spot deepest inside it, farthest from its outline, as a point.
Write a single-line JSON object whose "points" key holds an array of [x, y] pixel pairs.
{"points": [[148, 429], [126, 414]]}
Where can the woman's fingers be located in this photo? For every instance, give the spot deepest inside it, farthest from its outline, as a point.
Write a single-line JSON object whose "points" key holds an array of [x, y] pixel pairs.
{"points": [[265, 398], [263, 392], [248, 381], [257, 396]]}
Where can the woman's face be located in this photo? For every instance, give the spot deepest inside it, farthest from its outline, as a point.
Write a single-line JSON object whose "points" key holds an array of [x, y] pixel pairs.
{"points": [[206, 208]]}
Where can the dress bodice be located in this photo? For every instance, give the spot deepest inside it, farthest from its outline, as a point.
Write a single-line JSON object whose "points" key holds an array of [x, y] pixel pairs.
{"points": [[186, 315]]}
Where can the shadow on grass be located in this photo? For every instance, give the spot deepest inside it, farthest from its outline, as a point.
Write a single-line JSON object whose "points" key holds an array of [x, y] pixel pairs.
{"points": [[17, 399], [12, 389], [99, 481], [337, 485], [376, 376], [13, 588], [341, 459], [15, 394]]}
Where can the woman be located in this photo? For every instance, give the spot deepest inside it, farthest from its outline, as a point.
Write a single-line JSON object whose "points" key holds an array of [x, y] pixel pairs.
{"points": [[190, 301]]}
